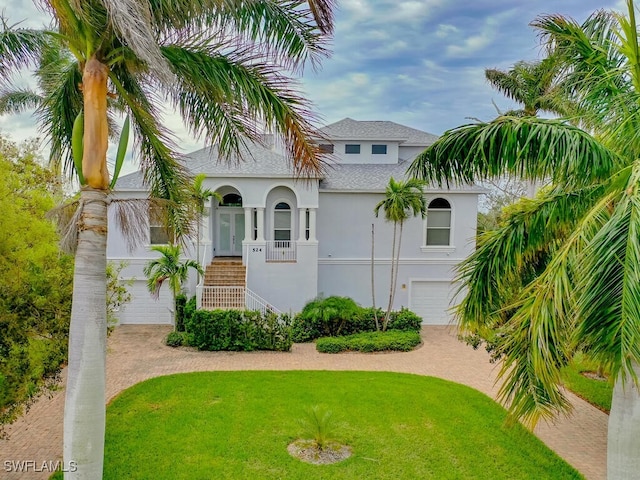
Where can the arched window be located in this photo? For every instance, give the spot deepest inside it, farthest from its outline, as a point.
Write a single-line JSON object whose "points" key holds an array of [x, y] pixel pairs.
{"points": [[282, 222], [231, 200], [439, 222]]}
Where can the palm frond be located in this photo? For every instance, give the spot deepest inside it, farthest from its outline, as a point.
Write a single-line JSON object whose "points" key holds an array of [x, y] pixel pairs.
{"points": [[538, 339], [162, 170], [19, 48], [528, 147], [608, 306], [508, 258], [18, 100], [227, 97]]}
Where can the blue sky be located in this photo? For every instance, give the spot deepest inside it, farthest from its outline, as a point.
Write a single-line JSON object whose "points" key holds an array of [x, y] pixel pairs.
{"points": [[416, 62]]}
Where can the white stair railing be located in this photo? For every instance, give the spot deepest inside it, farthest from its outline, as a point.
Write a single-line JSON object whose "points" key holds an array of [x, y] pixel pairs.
{"points": [[239, 298]]}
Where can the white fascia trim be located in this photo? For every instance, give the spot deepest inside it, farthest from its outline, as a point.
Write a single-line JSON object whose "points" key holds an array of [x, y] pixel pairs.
{"points": [[387, 261]]}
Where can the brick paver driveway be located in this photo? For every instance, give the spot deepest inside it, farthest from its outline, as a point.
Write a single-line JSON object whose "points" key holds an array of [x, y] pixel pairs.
{"points": [[136, 353]]}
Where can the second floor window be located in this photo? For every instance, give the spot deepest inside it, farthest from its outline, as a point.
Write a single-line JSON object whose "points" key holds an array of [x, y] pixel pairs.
{"points": [[352, 148], [439, 222], [282, 222]]}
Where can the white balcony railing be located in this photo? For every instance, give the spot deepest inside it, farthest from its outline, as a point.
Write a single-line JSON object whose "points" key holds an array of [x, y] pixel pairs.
{"points": [[225, 298], [281, 251]]}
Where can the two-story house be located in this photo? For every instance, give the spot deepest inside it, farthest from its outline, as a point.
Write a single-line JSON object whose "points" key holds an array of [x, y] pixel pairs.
{"points": [[282, 241]]}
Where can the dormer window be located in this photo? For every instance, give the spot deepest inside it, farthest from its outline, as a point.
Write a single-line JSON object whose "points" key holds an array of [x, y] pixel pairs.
{"points": [[379, 149], [352, 148]]}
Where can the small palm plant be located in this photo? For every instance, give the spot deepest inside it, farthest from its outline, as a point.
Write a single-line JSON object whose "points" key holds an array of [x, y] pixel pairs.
{"points": [[319, 425], [169, 267]]}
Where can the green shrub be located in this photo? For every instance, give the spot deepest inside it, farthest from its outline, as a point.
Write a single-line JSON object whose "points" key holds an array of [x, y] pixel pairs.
{"points": [[404, 320], [370, 342], [181, 302], [324, 317], [175, 339], [235, 330], [335, 316]]}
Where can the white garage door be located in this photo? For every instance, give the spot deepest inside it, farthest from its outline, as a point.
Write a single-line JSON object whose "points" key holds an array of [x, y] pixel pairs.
{"points": [[431, 300], [143, 308]]}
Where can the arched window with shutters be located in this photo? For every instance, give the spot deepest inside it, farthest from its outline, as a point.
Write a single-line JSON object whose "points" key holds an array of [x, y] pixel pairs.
{"points": [[438, 223], [282, 222]]}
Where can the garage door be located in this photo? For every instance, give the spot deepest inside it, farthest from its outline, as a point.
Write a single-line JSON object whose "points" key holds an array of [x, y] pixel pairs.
{"points": [[143, 308], [431, 300]]}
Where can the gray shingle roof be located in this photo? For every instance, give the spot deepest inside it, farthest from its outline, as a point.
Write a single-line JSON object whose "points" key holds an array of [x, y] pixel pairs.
{"points": [[350, 129]]}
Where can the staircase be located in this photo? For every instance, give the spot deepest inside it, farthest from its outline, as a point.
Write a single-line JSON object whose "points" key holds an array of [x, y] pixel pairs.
{"points": [[228, 276], [225, 272]]}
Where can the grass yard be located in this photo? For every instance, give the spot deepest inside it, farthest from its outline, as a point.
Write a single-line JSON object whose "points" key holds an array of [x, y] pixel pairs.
{"points": [[597, 392], [237, 425]]}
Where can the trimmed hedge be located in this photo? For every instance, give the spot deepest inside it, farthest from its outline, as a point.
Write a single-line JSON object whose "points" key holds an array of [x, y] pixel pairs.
{"points": [[334, 316], [395, 340], [235, 330]]}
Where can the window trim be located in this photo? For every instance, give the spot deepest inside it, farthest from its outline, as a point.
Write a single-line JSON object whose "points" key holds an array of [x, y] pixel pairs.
{"points": [[379, 145], [450, 247], [291, 220], [347, 145], [157, 225]]}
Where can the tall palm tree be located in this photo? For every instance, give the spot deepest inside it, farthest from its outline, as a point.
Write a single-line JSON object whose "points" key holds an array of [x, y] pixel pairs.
{"points": [[403, 199], [221, 64], [169, 267], [533, 84], [200, 195], [560, 274]]}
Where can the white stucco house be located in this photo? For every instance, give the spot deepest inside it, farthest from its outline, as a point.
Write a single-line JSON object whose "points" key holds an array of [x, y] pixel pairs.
{"points": [[298, 239]]}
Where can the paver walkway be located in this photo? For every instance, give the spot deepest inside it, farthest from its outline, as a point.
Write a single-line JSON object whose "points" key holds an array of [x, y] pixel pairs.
{"points": [[136, 353]]}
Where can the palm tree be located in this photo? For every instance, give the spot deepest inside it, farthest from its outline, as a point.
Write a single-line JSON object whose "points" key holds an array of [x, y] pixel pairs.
{"points": [[560, 273], [532, 84], [403, 199], [221, 65], [168, 267], [200, 195]]}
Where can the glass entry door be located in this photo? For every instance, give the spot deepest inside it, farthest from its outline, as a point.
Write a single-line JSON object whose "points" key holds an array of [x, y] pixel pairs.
{"points": [[230, 232]]}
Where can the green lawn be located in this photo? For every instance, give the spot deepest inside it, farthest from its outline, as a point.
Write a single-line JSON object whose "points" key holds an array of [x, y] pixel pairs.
{"points": [[595, 391], [237, 425]]}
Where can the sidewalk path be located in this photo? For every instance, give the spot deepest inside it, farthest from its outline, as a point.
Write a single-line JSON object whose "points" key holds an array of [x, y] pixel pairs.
{"points": [[137, 352]]}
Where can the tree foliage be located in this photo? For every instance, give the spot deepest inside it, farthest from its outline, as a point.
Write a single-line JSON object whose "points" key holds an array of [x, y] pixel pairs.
{"points": [[35, 280]]}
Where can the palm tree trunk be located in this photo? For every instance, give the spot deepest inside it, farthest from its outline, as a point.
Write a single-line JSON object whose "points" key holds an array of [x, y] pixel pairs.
{"points": [[393, 258], [84, 415], [96, 127], [395, 280], [373, 288], [623, 441]]}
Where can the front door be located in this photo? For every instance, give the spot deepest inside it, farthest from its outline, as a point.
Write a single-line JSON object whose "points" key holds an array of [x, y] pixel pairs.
{"points": [[230, 232]]}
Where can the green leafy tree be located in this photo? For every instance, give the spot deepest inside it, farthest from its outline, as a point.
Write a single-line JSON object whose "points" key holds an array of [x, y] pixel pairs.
{"points": [[35, 280], [168, 267], [403, 199], [560, 272], [222, 65], [117, 291]]}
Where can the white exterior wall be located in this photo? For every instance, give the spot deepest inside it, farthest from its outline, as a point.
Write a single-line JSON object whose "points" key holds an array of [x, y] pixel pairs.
{"points": [[365, 155], [344, 254]]}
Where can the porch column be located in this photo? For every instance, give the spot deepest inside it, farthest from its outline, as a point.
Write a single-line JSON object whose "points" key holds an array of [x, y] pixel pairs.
{"points": [[260, 215], [248, 231], [302, 224], [206, 222], [312, 224]]}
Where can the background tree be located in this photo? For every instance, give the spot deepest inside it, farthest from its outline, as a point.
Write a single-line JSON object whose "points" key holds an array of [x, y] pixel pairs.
{"points": [[168, 267], [222, 66], [35, 280], [560, 272], [403, 199]]}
